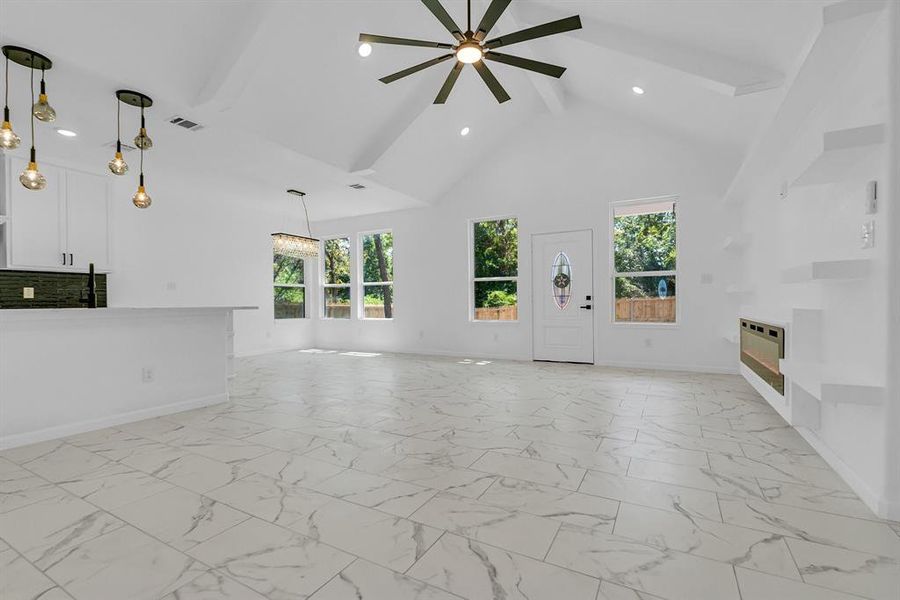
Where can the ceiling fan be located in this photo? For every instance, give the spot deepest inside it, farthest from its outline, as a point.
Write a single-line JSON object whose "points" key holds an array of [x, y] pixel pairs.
{"points": [[472, 49]]}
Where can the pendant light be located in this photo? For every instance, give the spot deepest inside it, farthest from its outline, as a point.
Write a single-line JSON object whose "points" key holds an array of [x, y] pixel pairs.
{"points": [[8, 137], [42, 111], [141, 198], [31, 178], [297, 246], [142, 140], [118, 165]]}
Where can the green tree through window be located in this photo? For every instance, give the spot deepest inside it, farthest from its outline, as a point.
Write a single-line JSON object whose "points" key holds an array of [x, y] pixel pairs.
{"points": [[495, 258]]}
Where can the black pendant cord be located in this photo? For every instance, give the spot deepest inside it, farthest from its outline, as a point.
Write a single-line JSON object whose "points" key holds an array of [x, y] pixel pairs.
{"points": [[32, 116], [469, 15], [118, 125], [43, 86], [306, 212], [6, 93], [142, 168]]}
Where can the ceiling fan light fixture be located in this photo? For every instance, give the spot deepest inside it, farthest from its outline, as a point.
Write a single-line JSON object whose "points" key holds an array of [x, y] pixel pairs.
{"points": [[365, 49], [469, 53], [464, 131], [638, 90]]}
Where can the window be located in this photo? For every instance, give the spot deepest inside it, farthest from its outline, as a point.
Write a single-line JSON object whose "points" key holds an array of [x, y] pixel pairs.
{"points": [[644, 258], [336, 278], [495, 270], [377, 275], [290, 291]]}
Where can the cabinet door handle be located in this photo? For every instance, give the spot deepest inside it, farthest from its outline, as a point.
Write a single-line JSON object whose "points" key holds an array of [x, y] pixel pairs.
{"points": [[64, 258], [71, 259]]}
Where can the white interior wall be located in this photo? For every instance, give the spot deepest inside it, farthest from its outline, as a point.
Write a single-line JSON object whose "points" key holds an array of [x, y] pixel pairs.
{"points": [[586, 159], [205, 241], [816, 223]]}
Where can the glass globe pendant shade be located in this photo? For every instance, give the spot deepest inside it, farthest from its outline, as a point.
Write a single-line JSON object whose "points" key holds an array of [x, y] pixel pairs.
{"points": [[8, 137], [142, 140], [32, 179], [118, 165], [141, 198], [42, 110]]}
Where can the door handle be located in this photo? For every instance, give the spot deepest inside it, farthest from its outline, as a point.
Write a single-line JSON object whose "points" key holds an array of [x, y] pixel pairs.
{"points": [[586, 307]]}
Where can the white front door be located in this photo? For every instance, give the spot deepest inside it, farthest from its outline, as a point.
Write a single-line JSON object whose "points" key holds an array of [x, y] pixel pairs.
{"points": [[563, 288]]}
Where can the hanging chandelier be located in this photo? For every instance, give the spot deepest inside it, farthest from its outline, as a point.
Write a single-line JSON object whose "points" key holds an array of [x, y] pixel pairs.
{"points": [[297, 246], [141, 198], [31, 177]]}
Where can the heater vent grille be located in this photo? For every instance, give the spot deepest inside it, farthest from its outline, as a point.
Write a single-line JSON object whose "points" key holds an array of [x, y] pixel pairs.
{"points": [[125, 147], [185, 123]]}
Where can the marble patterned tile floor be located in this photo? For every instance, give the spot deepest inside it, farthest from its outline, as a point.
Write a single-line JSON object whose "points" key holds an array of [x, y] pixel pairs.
{"points": [[335, 476]]}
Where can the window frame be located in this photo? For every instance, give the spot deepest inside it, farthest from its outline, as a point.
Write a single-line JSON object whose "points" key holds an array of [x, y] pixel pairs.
{"points": [[613, 274], [472, 279], [323, 312], [301, 286], [361, 296]]}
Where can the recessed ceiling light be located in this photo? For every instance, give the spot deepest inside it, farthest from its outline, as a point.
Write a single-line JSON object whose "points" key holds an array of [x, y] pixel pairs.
{"points": [[638, 90], [464, 132], [66, 132], [365, 49]]}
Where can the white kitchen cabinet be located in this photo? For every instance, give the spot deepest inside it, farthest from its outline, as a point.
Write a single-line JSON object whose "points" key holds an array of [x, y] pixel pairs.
{"points": [[63, 227], [87, 220]]}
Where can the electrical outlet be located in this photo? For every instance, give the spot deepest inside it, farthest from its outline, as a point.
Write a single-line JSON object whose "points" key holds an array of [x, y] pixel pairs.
{"points": [[147, 375], [868, 235], [706, 278], [171, 286], [648, 342], [28, 293]]}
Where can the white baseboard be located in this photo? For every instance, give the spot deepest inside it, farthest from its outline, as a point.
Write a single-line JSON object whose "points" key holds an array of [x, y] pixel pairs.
{"points": [[656, 366], [61, 431], [874, 500]]}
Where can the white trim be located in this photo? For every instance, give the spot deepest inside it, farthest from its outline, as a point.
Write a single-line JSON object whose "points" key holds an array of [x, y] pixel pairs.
{"points": [[657, 366], [612, 275], [875, 501], [61, 431]]}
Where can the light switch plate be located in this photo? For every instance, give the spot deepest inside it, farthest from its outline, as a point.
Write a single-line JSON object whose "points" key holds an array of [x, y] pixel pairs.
{"points": [[28, 293]]}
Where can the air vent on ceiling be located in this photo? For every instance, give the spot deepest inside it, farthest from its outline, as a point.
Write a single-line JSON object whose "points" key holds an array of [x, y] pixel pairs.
{"points": [[357, 186], [185, 123], [125, 147]]}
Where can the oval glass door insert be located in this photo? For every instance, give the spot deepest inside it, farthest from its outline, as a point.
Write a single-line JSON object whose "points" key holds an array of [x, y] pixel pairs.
{"points": [[561, 280]]}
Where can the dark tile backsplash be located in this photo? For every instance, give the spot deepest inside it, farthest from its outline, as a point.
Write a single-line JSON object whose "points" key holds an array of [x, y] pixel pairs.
{"points": [[51, 290]]}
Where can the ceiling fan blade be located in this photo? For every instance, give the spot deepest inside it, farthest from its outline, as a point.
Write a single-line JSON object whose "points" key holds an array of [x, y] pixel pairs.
{"points": [[383, 39], [416, 68], [552, 28], [526, 63], [444, 17], [491, 81], [490, 18], [449, 83]]}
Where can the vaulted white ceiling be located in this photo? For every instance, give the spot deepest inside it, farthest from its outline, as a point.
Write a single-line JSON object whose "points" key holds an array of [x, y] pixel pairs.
{"points": [[281, 89]]}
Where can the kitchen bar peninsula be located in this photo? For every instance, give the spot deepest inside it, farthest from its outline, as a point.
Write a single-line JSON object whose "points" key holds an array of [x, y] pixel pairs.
{"points": [[67, 371]]}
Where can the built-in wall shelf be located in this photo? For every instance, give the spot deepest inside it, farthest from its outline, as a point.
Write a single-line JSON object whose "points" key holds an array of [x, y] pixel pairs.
{"points": [[834, 384], [825, 270], [841, 151]]}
